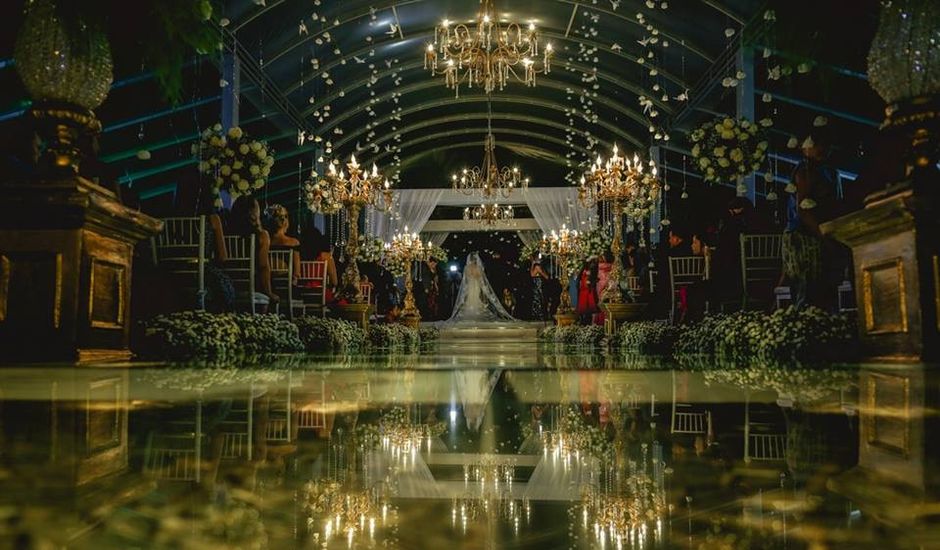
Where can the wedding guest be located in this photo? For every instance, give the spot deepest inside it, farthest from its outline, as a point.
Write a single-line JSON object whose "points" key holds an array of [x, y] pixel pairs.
{"points": [[587, 292], [812, 264], [604, 266], [432, 286], [277, 222], [509, 302], [741, 218], [197, 198], [315, 247], [245, 221], [538, 276]]}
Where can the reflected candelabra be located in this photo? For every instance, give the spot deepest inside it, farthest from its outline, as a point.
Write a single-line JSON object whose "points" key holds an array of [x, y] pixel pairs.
{"points": [[631, 189], [485, 55]]}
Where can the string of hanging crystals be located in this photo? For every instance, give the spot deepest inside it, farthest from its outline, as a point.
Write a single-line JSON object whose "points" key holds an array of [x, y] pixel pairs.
{"points": [[486, 54]]}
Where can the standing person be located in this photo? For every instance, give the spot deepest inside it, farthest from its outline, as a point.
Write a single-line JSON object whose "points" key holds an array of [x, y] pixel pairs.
{"points": [[604, 267], [509, 301], [245, 221], [587, 292], [433, 289], [538, 276], [277, 222], [811, 203]]}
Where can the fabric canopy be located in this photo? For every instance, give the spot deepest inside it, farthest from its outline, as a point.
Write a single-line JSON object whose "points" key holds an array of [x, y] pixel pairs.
{"points": [[412, 208], [554, 207]]}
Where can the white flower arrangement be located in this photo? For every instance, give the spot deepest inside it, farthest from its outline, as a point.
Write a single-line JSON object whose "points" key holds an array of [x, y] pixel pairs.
{"points": [[728, 150], [594, 243], [371, 249], [234, 162], [438, 254]]}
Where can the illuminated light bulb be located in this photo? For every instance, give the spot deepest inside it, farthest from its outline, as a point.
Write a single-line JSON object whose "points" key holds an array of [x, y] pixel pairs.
{"points": [[352, 161]]}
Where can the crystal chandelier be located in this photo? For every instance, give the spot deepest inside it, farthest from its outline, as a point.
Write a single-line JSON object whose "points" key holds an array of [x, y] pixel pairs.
{"points": [[485, 55], [489, 214], [633, 188]]}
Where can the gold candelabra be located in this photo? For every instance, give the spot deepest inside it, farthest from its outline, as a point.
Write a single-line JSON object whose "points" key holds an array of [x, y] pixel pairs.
{"points": [[355, 188], [630, 187], [486, 54], [407, 248], [563, 245]]}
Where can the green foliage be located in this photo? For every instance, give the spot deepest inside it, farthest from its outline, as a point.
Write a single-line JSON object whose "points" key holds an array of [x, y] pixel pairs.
{"points": [[394, 337], [655, 337], [197, 334], [162, 34], [323, 334], [573, 335]]}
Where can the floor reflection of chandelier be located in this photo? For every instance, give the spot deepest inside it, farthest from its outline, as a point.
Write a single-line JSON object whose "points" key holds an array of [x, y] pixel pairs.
{"points": [[488, 493], [344, 512], [489, 214], [484, 54], [629, 509]]}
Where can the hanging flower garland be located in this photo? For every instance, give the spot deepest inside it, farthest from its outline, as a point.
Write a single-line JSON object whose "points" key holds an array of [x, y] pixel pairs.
{"points": [[320, 197], [728, 150], [236, 163]]}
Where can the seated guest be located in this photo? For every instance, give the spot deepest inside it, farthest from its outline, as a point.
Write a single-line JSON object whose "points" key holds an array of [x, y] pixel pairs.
{"points": [[604, 267], [741, 218], [678, 244], [315, 247], [277, 222], [587, 292], [245, 221], [197, 198]]}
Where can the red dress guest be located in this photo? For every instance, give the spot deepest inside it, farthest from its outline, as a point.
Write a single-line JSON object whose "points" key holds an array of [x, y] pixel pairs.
{"points": [[587, 294]]}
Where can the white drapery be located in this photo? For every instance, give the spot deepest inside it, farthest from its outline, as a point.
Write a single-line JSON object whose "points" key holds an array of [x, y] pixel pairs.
{"points": [[412, 208], [553, 207], [436, 238]]}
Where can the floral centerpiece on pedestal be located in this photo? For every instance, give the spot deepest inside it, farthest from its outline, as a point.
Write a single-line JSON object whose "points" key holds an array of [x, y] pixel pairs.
{"points": [[437, 253], [235, 163], [728, 150]]}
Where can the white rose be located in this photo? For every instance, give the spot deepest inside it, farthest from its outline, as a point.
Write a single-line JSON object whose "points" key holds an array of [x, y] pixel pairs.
{"points": [[254, 170], [243, 149], [226, 170], [243, 185]]}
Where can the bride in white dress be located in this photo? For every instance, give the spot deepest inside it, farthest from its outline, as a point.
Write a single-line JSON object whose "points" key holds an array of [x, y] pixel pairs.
{"points": [[476, 302]]}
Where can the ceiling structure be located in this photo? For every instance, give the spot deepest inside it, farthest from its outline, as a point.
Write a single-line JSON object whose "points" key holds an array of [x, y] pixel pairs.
{"points": [[349, 77]]}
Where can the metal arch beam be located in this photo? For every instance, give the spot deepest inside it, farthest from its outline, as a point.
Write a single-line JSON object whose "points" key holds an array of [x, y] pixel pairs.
{"points": [[622, 84], [603, 100], [475, 116], [388, 4], [499, 99], [346, 58], [481, 130]]}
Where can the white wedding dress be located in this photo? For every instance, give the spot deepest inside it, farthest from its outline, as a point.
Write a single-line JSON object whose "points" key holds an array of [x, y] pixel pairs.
{"points": [[476, 303]]}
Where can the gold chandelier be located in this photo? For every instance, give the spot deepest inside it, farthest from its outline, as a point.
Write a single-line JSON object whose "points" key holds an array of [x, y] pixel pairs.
{"points": [[489, 214], [484, 54]]}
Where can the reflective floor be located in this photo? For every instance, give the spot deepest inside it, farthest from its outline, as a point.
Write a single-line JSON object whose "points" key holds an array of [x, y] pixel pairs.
{"points": [[474, 444]]}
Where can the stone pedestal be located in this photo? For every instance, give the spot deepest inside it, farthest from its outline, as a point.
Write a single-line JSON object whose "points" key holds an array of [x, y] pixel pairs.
{"points": [[895, 244], [617, 314], [66, 249], [357, 313]]}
